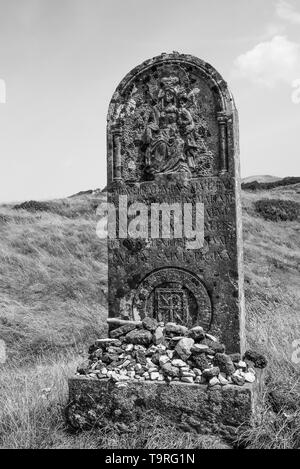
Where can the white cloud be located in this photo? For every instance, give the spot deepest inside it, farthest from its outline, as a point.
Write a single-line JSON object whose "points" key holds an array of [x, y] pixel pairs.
{"points": [[270, 62], [286, 11]]}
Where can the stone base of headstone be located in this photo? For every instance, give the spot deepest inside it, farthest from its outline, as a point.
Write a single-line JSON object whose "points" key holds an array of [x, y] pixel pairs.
{"points": [[224, 411]]}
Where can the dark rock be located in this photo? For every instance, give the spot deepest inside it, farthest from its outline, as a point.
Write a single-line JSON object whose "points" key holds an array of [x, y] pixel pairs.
{"points": [[110, 357], [104, 343], [197, 333], [210, 373], [141, 337], [122, 330], [215, 346], [98, 353], [225, 363], [170, 370], [258, 359], [150, 324], [201, 362], [140, 357]]}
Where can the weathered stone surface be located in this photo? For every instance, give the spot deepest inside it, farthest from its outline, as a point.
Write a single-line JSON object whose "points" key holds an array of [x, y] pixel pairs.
{"points": [[199, 348], [172, 138], [211, 372], [158, 335], [104, 343], [140, 356], [197, 333], [225, 363], [140, 337], [178, 362], [183, 348], [238, 379], [176, 329], [215, 346], [201, 362], [220, 410], [214, 381], [235, 357], [249, 377], [122, 330], [150, 324], [170, 370]]}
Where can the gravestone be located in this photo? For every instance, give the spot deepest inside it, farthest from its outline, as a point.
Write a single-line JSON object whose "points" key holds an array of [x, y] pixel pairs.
{"points": [[173, 147], [175, 255]]}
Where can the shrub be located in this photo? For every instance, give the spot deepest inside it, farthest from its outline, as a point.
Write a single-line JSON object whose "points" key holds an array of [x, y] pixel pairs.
{"points": [[33, 206], [277, 209]]}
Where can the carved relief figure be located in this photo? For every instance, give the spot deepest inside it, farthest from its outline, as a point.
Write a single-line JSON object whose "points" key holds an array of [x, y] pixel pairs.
{"points": [[169, 140], [165, 128], [164, 146]]}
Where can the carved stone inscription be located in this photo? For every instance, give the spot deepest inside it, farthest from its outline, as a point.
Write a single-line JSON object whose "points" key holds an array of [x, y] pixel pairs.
{"points": [[173, 139]]}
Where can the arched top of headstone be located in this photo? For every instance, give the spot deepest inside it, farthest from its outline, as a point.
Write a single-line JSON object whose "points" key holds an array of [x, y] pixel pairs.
{"points": [[170, 62], [173, 114]]}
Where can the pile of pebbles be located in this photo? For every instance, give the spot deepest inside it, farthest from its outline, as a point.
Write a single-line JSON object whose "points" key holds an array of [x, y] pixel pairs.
{"points": [[152, 351]]}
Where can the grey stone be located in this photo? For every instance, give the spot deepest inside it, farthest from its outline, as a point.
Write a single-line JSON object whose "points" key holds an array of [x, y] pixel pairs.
{"points": [[216, 347], [140, 357], [199, 348], [211, 372], [242, 365], [122, 330], [225, 363], [170, 370], [176, 329], [104, 343], [187, 379], [223, 380], [150, 324], [211, 337], [238, 379], [249, 377], [140, 337], [178, 362], [197, 333], [220, 410], [201, 362], [158, 335], [214, 381], [235, 357], [183, 348]]}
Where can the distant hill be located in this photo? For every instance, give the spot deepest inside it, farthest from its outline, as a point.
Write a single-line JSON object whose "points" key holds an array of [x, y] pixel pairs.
{"points": [[261, 179], [267, 182]]}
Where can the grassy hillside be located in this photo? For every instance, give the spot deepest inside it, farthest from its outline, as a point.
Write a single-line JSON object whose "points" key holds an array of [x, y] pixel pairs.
{"points": [[53, 276], [53, 303]]}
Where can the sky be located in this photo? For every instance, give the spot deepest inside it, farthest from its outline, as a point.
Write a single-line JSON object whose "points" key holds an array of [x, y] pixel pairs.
{"points": [[61, 60]]}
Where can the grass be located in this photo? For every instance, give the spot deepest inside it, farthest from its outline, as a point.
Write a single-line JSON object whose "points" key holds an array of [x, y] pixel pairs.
{"points": [[53, 283]]}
